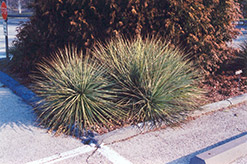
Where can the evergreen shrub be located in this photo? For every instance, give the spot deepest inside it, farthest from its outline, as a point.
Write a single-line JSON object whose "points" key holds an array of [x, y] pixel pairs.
{"points": [[202, 27]]}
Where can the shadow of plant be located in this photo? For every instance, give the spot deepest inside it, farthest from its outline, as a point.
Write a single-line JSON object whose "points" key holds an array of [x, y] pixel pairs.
{"points": [[13, 112]]}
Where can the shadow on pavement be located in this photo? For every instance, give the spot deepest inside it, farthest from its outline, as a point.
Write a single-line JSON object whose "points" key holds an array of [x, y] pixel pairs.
{"points": [[14, 113], [186, 159]]}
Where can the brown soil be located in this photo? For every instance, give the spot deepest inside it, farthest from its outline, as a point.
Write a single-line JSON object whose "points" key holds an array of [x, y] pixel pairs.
{"points": [[224, 86], [217, 88]]}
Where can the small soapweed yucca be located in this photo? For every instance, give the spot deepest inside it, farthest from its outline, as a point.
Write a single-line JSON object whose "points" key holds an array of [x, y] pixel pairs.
{"points": [[153, 82], [75, 94]]}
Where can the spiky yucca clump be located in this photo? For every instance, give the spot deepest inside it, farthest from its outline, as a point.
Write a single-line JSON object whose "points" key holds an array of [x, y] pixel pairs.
{"points": [[75, 94], [153, 81]]}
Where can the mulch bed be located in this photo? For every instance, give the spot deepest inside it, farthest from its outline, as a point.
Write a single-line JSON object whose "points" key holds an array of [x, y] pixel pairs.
{"points": [[219, 87], [224, 86]]}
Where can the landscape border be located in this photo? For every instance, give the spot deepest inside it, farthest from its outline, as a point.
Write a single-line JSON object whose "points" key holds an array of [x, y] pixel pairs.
{"points": [[125, 133]]}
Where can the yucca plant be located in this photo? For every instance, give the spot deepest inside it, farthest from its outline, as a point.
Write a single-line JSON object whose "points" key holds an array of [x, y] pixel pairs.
{"points": [[76, 94], [153, 82]]}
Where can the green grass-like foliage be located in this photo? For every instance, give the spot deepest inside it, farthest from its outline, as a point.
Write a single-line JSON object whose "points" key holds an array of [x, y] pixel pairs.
{"points": [[153, 82], [75, 94]]}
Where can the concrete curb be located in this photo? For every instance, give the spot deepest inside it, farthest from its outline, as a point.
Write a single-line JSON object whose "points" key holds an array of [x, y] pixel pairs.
{"points": [[126, 132], [188, 158], [131, 131], [220, 105], [223, 154], [26, 94]]}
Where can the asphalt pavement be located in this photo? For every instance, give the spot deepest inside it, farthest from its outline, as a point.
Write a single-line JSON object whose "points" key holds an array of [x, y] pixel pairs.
{"points": [[22, 141]]}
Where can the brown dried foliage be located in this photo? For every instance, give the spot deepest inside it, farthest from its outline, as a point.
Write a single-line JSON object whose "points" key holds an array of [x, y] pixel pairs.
{"points": [[200, 26]]}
